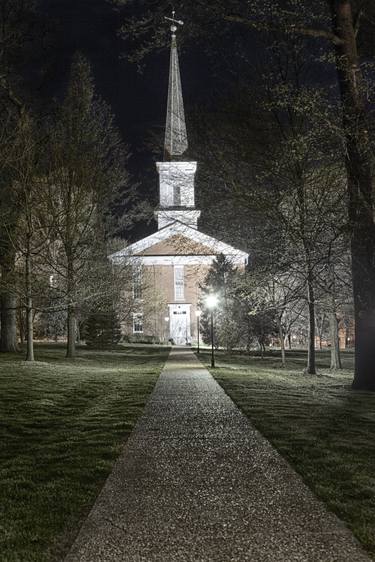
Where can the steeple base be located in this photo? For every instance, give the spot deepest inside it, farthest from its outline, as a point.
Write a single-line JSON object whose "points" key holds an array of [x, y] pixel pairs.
{"points": [[185, 216], [176, 180]]}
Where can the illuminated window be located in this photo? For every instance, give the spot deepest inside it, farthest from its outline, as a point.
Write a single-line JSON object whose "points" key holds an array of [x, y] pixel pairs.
{"points": [[137, 323], [179, 282]]}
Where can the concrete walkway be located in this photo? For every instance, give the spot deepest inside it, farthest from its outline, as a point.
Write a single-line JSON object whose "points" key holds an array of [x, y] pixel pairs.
{"points": [[196, 482]]}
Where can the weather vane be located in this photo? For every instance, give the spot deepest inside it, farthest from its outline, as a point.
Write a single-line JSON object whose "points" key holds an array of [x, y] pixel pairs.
{"points": [[174, 21]]}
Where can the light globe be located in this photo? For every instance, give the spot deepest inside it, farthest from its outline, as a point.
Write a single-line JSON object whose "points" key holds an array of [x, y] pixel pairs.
{"points": [[212, 301]]}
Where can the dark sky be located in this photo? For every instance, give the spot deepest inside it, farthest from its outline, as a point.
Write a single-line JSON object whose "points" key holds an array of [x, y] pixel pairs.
{"points": [[91, 26], [138, 100]]}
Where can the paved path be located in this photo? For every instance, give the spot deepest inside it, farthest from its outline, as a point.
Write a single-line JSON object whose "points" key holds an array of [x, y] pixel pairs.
{"points": [[196, 482]]}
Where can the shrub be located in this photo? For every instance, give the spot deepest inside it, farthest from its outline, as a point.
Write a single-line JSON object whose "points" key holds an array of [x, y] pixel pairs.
{"points": [[102, 329]]}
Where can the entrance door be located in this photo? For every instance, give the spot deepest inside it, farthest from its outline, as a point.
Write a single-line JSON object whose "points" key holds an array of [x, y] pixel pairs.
{"points": [[179, 315]]}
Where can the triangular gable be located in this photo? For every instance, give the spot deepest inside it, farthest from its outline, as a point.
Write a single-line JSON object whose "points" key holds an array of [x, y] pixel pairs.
{"points": [[212, 245], [177, 244]]}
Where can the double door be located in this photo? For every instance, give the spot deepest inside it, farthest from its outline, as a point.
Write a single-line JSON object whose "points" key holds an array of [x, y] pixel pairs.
{"points": [[179, 323]]}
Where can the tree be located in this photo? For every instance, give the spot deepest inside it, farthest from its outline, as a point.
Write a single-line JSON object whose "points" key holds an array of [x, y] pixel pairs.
{"points": [[359, 161], [294, 190], [345, 32], [220, 280], [102, 329], [86, 159], [20, 37], [31, 233]]}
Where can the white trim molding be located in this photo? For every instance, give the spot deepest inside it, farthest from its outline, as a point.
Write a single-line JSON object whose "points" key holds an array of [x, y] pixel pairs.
{"points": [[183, 260], [216, 247]]}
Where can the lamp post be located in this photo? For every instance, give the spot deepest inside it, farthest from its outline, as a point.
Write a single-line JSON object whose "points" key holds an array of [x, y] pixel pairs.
{"points": [[211, 303], [198, 315], [166, 318]]}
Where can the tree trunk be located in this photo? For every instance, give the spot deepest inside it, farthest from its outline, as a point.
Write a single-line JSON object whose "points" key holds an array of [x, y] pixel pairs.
{"points": [[335, 345], [8, 323], [21, 326], [72, 334], [320, 329], [290, 340], [311, 366], [29, 311], [8, 308], [78, 332], [282, 342], [248, 337], [360, 189], [261, 349], [72, 321]]}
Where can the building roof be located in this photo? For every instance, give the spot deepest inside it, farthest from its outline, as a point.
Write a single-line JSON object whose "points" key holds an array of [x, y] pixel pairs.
{"points": [[214, 246]]}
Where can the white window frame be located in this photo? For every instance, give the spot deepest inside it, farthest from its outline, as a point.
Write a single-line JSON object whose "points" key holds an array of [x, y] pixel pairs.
{"points": [[179, 283], [137, 321]]}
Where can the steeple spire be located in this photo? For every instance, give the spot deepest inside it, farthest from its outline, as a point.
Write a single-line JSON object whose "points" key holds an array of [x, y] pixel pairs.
{"points": [[176, 141], [176, 175]]}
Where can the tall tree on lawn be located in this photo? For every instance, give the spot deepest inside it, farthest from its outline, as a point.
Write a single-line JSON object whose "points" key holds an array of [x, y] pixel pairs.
{"points": [[360, 167], [86, 161], [14, 25]]}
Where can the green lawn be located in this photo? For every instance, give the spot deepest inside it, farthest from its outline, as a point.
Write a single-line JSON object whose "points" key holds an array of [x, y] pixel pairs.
{"points": [[323, 428], [62, 425]]}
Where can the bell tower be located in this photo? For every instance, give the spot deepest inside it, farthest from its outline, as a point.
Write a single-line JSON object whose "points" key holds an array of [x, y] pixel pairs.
{"points": [[176, 176]]}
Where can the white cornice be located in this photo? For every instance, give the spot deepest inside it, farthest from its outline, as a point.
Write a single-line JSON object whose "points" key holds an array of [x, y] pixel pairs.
{"points": [[214, 245], [178, 260], [170, 166]]}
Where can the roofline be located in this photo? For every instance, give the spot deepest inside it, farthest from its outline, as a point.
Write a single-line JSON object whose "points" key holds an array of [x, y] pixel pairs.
{"points": [[178, 227]]}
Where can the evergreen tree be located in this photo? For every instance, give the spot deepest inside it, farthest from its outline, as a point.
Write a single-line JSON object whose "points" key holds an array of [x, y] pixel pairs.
{"points": [[86, 159], [102, 329], [220, 281]]}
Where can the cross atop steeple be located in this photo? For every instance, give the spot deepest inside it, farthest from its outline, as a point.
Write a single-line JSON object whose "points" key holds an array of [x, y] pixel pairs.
{"points": [[175, 128], [173, 20]]}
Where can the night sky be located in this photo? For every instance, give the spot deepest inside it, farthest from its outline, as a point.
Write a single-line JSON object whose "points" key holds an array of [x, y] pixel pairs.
{"points": [[211, 70], [137, 99]]}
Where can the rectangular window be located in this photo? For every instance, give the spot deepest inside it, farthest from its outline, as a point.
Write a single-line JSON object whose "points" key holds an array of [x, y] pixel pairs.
{"points": [[179, 282], [137, 282], [177, 196], [137, 323]]}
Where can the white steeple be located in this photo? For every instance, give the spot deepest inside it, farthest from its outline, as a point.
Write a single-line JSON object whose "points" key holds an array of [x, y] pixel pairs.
{"points": [[176, 141], [176, 177]]}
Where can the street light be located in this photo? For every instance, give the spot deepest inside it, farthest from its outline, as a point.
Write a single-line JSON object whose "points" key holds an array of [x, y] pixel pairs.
{"points": [[166, 318], [211, 303], [198, 315]]}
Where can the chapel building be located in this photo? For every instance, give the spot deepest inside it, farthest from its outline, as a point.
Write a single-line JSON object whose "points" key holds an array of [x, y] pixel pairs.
{"points": [[169, 266]]}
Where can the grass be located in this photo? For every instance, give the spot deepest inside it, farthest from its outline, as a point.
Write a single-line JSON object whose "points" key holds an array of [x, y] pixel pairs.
{"points": [[62, 426], [323, 428]]}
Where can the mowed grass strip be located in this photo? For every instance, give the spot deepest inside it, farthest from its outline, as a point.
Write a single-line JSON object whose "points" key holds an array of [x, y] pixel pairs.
{"points": [[62, 426], [323, 428]]}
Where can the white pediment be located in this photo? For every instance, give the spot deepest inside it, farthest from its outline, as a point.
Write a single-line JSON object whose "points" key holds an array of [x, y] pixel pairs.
{"points": [[214, 246]]}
